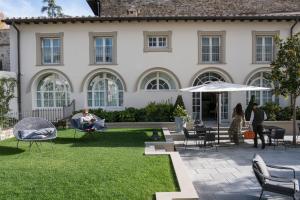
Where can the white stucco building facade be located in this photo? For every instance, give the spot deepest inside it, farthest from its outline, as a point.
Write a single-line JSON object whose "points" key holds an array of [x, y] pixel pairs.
{"points": [[135, 72]]}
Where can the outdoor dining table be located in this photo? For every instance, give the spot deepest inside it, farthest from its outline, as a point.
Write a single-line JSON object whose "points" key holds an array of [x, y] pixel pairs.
{"points": [[270, 128]]}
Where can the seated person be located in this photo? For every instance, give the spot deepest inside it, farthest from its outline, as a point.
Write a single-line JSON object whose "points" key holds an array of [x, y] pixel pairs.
{"points": [[87, 120]]}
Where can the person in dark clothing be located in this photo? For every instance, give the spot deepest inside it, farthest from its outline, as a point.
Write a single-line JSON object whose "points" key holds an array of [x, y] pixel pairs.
{"points": [[257, 118]]}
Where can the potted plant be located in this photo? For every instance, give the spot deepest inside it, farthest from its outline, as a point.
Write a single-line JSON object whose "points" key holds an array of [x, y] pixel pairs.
{"points": [[181, 117]]}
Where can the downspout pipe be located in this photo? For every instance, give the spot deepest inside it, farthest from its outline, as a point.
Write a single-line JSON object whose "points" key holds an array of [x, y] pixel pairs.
{"points": [[19, 72], [293, 26]]}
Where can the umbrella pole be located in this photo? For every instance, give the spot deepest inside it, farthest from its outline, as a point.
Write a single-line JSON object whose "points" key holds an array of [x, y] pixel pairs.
{"points": [[218, 117]]}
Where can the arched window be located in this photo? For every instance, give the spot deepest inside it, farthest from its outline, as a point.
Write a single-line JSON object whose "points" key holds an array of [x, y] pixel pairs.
{"points": [[199, 100], [53, 91], [207, 77], [105, 90], [158, 81], [260, 79]]}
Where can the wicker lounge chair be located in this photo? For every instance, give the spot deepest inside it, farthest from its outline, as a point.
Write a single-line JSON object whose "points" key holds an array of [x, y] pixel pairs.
{"points": [[99, 125], [281, 185], [40, 129]]}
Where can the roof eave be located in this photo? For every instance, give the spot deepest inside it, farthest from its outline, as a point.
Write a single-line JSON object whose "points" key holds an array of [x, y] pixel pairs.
{"points": [[10, 21]]}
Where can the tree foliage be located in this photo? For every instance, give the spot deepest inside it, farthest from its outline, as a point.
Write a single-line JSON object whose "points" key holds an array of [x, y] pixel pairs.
{"points": [[249, 108], [7, 90], [52, 9], [286, 71]]}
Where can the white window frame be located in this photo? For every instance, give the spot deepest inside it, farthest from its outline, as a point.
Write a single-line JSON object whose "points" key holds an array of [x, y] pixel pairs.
{"points": [[92, 47], [263, 47], [256, 34], [52, 51], [158, 34], [157, 41], [118, 107], [54, 78], [222, 46], [39, 48], [157, 78], [103, 38], [261, 93], [210, 53]]}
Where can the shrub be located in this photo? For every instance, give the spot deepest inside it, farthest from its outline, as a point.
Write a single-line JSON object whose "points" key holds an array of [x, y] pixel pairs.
{"points": [[249, 108], [159, 112], [272, 110], [285, 114], [179, 101], [153, 112]]}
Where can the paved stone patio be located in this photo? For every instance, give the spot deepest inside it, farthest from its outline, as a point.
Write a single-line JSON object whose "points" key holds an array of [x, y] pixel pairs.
{"points": [[227, 173]]}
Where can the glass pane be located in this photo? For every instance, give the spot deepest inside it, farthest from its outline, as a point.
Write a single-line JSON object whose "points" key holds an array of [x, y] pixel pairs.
{"points": [[205, 41], [108, 54], [215, 57], [163, 85], [152, 42], [121, 98], [152, 85], [56, 43], [259, 41], [99, 50], [162, 42], [205, 57], [99, 42], [215, 41], [56, 54], [108, 41], [46, 42], [46, 54], [269, 41]]}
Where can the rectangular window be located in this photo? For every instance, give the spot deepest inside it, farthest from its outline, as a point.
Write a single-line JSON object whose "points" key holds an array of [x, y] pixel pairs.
{"points": [[264, 48], [104, 50], [211, 49], [211, 46], [157, 41], [51, 50]]}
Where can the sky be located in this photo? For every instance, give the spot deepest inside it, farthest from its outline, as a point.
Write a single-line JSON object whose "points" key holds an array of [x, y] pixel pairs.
{"points": [[32, 8]]}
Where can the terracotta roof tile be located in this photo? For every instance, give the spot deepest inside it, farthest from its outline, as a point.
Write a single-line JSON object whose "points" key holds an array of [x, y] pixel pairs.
{"points": [[195, 7]]}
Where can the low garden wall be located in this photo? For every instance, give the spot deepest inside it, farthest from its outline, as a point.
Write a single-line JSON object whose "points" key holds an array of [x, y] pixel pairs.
{"points": [[287, 125]]}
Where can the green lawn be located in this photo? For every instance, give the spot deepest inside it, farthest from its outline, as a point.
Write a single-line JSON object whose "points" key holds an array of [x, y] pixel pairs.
{"points": [[109, 165]]}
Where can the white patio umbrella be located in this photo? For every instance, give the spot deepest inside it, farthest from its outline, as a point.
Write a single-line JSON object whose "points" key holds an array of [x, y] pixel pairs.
{"points": [[219, 87]]}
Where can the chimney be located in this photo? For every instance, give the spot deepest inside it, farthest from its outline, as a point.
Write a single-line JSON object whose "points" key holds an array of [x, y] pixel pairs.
{"points": [[98, 8]]}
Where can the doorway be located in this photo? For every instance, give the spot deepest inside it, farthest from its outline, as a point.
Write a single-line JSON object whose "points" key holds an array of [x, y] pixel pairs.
{"points": [[209, 107], [205, 104]]}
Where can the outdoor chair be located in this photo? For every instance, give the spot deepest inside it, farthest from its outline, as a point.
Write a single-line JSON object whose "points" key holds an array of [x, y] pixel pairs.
{"points": [[280, 185], [34, 130], [188, 136], [277, 136], [210, 141], [200, 130], [99, 125]]}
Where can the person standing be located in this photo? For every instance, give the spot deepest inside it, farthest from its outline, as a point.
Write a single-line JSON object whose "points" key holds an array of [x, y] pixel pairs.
{"points": [[238, 121], [258, 116]]}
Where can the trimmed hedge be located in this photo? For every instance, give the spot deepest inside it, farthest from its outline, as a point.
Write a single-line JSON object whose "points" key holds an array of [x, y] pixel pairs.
{"points": [[153, 112]]}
